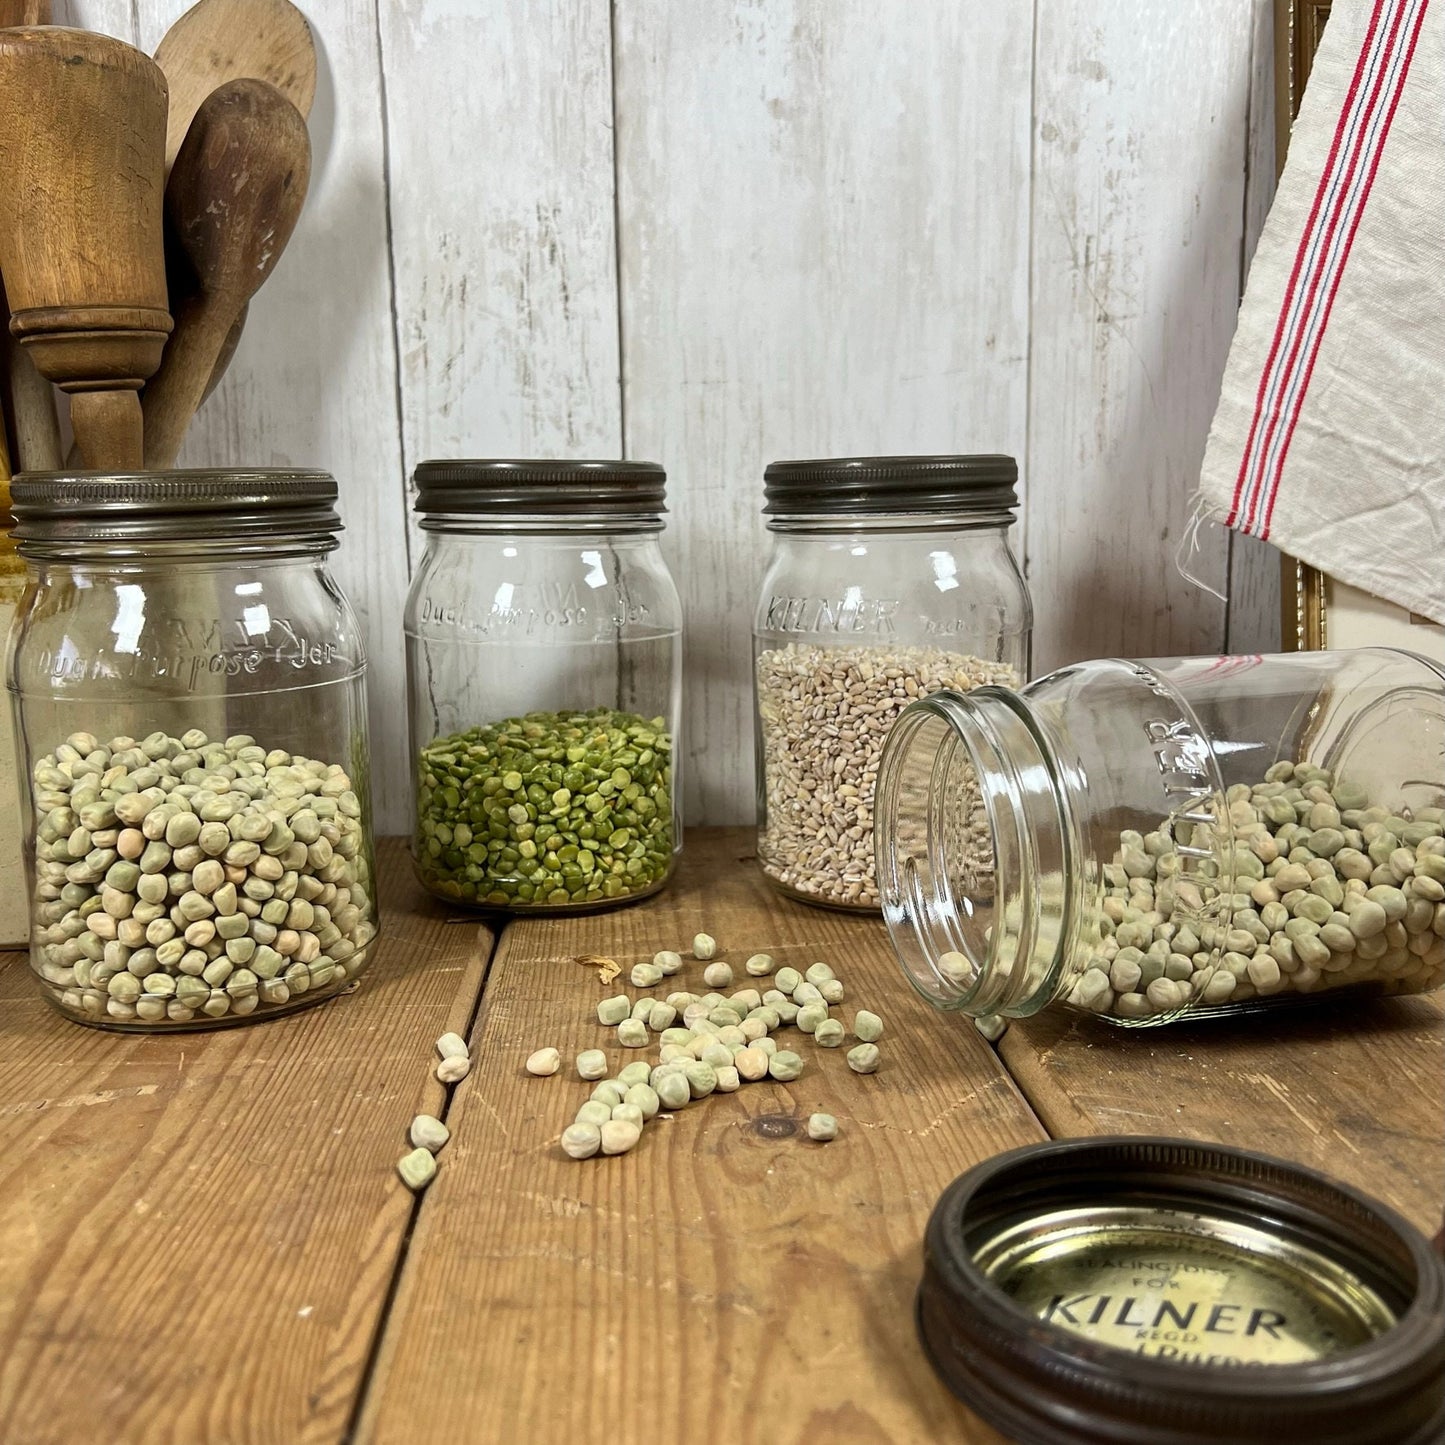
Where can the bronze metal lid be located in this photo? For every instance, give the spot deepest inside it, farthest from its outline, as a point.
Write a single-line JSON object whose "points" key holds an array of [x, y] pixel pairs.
{"points": [[455, 495], [241, 505], [979, 487], [1136, 1291]]}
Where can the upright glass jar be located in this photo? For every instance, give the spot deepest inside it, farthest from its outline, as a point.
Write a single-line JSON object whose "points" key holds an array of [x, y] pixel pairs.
{"points": [[188, 687], [1153, 840], [544, 650], [890, 578]]}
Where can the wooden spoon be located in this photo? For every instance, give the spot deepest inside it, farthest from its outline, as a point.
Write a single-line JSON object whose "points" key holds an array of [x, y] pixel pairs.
{"points": [[220, 40], [233, 199], [82, 146]]}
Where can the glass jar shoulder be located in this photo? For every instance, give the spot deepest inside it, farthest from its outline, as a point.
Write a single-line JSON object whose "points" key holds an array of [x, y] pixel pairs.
{"points": [[518, 588], [961, 591], [186, 623]]}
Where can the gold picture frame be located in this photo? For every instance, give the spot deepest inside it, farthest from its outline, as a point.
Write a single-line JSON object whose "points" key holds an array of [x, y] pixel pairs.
{"points": [[1298, 26]]}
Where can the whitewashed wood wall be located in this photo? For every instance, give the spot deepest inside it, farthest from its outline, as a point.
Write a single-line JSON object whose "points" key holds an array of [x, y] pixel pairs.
{"points": [[714, 234]]}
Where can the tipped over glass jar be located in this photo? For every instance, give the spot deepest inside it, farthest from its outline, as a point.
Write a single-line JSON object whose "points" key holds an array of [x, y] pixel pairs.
{"points": [[1147, 841]]}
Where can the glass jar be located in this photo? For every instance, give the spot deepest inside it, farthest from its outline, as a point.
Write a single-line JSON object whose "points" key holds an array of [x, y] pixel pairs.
{"points": [[544, 649], [14, 913], [890, 578], [1153, 840], [189, 697]]}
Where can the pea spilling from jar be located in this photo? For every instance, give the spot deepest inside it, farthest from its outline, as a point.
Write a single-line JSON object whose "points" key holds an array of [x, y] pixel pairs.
{"points": [[554, 809]]}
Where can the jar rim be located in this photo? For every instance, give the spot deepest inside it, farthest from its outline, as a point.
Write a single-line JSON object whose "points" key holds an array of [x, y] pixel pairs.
{"points": [[245, 505], [895, 523]]}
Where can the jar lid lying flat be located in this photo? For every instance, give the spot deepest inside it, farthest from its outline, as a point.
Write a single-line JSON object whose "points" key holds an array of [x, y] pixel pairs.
{"points": [[539, 488], [184, 505], [1136, 1291], [883, 486]]}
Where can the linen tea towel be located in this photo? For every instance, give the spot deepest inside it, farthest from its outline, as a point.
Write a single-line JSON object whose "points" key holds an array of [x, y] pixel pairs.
{"points": [[1329, 438]]}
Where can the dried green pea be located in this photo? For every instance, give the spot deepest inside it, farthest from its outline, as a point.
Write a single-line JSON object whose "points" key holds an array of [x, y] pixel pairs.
{"points": [[643, 1097], [417, 1169], [619, 1135], [785, 1065], [787, 980], [822, 1127], [661, 1017], [636, 1072], [543, 1062], [867, 1027], [592, 1064], [613, 1010], [632, 1034], [628, 1113], [751, 1063], [673, 1090], [863, 1059], [811, 1017], [818, 974], [828, 1034], [583, 1139], [701, 1078], [645, 975], [428, 1132], [704, 946], [718, 1055], [759, 965], [609, 1092], [594, 1112], [667, 962], [718, 975]]}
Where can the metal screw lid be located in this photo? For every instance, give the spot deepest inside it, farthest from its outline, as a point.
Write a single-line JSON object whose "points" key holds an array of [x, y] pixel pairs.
{"points": [[194, 505], [1096, 1291], [629, 491], [880, 486]]}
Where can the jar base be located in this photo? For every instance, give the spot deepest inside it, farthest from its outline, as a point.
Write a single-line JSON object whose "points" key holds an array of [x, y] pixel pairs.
{"points": [[549, 910], [201, 1022], [814, 900]]}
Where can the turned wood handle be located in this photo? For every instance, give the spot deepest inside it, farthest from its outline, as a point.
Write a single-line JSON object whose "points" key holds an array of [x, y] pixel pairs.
{"points": [[82, 155]]}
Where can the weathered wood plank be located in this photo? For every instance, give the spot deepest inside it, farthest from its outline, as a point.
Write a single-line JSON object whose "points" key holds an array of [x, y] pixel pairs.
{"points": [[499, 131], [823, 251], [726, 1272], [1352, 1089], [198, 1233], [1138, 204]]}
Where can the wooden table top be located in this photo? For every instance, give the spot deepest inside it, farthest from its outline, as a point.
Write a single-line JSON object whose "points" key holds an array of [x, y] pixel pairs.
{"points": [[203, 1237]]}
